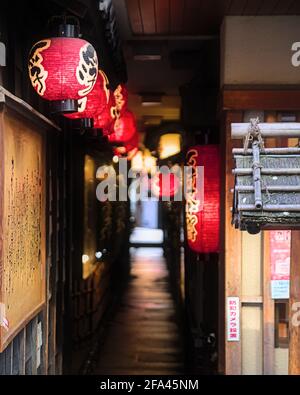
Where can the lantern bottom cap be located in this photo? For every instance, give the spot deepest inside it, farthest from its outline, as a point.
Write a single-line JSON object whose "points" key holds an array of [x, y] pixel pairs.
{"points": [[83, 123], [64, 106]]}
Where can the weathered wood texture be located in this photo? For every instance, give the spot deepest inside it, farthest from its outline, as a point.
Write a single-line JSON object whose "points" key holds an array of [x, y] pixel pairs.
{"points": [[260, 99], [230, 252], [268, 302], [278, 129], [29, 352], [294, 330], [294, 324]]}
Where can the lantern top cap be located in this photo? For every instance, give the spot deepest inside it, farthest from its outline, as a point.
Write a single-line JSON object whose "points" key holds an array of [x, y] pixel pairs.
{"points": [[68, 30], [65, 26]]}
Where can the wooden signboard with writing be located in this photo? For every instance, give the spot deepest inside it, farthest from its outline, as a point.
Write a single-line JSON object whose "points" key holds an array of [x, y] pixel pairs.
{"points": [[22, 223]]}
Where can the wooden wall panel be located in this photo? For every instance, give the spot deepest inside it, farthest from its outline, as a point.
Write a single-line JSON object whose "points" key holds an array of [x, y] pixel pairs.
{"points": [[134, 13], [30, 351], [237, 7], [261, 99], [177, 16], [294, 331], [251, 7], [266, 7], [268, 302], [195, 17], [283, 7], [148, 16], [162, 13], [230, 252], [294, 7]]}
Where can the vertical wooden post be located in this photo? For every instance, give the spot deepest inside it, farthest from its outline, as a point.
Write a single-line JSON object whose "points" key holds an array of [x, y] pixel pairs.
{"points": [[294, 331], [268, 302], [268, 310], [230, 355]]}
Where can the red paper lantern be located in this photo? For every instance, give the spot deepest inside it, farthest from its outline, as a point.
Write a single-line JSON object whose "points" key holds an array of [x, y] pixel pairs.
{"points": [[124, 128], [129, 149], [203, 206], [95, 102], [121, 97], [165, 184], [104, 120], [63, 69]]}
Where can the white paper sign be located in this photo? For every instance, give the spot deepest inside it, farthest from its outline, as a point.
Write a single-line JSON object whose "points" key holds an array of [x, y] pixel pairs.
{"points": [[233, 319]]}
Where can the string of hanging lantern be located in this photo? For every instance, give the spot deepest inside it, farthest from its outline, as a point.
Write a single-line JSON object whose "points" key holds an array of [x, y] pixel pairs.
{"points": [[98, 109], [64, 70]]}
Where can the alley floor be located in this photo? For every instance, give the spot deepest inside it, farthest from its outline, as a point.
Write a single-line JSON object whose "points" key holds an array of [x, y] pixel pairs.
{"points": [[143, 337]]}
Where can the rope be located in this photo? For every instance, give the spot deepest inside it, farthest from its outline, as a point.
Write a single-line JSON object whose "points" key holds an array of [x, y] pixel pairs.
{"points": [[254, 133]]}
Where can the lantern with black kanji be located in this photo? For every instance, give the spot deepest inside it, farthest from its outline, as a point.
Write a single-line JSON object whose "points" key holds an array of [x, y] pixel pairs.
{"points": [[203, 198], [121, 97], [63, 69], [124, 128], [94, 103]]}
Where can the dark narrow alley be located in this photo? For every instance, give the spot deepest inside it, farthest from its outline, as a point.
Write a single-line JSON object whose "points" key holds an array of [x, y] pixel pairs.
{"points": [[149, 189], [143, 338]]}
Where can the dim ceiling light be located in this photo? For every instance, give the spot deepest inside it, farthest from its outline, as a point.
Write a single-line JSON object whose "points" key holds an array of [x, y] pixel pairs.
{"points": [[151, 99], [169, 145], [151, 104], [147, 58]]}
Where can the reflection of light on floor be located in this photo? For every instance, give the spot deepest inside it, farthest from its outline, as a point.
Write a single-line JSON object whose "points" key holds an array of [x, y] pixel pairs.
{"points": [[146, 252], [146, 235], [143, 336]]}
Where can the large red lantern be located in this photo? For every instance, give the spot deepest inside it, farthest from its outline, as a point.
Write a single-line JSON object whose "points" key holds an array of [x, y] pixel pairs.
{"points": [[95, 102], [124, 128], [203, 206], [165, 185], [63, 70], [121, 97]]}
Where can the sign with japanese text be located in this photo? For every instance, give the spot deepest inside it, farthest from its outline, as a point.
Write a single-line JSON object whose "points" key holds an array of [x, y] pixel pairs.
{"points": [[280, 253], [22, 223], [233, 319]]}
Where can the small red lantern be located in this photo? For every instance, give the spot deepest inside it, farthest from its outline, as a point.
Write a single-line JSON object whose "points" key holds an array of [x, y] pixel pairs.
{"points": [[63, 70], [95, 102], [203, 206], [121, 97], [165, 185], [104, 120], [129, 149], [124, 128]]}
